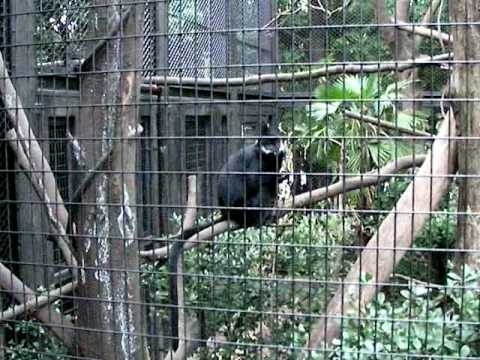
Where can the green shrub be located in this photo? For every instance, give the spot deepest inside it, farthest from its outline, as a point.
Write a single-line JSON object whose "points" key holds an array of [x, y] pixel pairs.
{"points": [[421, 321], [246, 276], [31, 342]]}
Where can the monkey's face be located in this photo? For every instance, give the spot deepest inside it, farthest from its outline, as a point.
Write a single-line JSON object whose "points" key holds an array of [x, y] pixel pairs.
{"points": [[271, 145]]}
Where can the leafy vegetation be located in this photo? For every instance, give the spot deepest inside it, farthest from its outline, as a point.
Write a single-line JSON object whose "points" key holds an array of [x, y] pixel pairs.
{"points": [[420, 321], [244, 281], [328, 135], [31, 342]]}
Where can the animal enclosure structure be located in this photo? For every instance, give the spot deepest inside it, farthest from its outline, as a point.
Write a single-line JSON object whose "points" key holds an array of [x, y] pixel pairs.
{"points": [[117, 119]]}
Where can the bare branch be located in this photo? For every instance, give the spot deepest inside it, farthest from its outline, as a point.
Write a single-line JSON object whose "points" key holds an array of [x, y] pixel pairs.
{"points": [[430, 11], [424, 194], [418, 282], [58, 228], [60, 327], [191, 212], [189, 221], [327, 12], [78, 153], [424, 31], [19, 121], [357, 182], [91, 174], [279, 16], [37, 302], [385, 124], [398, 66]]}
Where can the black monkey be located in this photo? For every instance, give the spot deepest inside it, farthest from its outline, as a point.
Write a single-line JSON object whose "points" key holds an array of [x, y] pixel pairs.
{"points": [[249, 179]]}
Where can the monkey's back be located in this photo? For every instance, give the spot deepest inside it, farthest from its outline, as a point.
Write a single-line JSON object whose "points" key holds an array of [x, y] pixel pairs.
{"points": [[242, 188]]}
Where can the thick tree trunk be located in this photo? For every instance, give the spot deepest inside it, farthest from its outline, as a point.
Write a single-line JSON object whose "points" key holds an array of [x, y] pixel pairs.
{"points": [[466, 85], [110, 284]]}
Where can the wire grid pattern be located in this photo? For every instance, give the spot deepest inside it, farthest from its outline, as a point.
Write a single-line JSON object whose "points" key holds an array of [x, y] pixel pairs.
{"points": [[6, 213], [6, 209], [60, 27], [196, 45], [251, 293], [149, 19]]}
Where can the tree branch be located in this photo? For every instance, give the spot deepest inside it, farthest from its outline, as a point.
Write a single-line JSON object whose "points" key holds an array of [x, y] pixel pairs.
{"points": [[303, 200], [60, 327], [188, 222], [394, 236], [385, 124], [90, 176], [58, 228], [357, 182], [37, 302], [398, 66], [27, 140], [424, 31], [430, 11]]}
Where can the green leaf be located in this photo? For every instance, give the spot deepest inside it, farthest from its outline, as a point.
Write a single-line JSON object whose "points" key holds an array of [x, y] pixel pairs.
{"points": [[320, 110], [330, 92]]}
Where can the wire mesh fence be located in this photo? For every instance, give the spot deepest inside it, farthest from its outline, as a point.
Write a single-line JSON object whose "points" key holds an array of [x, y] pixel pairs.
{"points": [[193, 179]]}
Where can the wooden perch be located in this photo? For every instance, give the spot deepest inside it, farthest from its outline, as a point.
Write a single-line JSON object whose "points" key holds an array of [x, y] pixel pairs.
{"points": [[205, 234], [38, 163], [357, 182], [37, 302], [58, 227], [51, 318], [400, 65], [303, 200], [394, 236]]}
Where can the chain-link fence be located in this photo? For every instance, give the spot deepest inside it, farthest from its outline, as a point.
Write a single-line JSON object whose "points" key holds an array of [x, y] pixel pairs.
{"points": [[218, 179]]}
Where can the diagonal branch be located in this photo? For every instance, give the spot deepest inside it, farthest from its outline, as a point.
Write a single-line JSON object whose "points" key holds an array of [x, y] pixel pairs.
{"points": [[58, 228], [37, 302], [394, 236], [183, 330], [50, 317], [38, 163]]}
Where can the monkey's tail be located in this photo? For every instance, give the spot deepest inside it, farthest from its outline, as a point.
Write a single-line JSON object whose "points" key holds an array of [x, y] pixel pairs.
{"points": [[173, 260]]}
